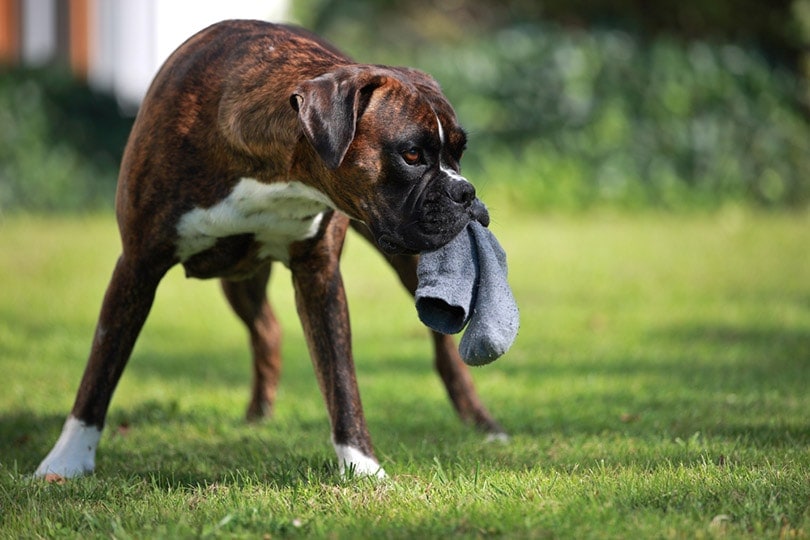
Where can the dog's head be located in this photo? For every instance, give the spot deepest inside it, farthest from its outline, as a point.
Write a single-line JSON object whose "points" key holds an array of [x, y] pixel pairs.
{"points": [[392, 145]]}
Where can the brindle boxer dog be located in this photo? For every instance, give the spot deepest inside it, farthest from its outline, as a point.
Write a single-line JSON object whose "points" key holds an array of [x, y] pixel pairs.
{"points": [[259, 143]]}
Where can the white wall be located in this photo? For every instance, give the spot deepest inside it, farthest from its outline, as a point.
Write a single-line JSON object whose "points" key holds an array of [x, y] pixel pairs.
{"points": [[38, 31], [134, 37]]}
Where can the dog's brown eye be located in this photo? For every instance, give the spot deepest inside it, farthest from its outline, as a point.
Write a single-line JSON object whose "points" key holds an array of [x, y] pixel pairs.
{"points": [[412, 156]]}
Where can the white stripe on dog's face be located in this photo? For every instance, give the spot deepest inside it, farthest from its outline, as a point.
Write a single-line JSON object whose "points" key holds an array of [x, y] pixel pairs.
{"points": [[441, 130], [444, 168]]}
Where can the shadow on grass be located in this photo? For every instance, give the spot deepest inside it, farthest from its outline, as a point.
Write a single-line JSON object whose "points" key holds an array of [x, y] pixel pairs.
{"points": [[731, 382], [733, 385], [784, 344], [185, 452]]}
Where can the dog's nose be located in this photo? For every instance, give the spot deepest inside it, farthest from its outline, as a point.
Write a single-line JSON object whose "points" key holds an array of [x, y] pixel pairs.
{"points": [[462, 192]]}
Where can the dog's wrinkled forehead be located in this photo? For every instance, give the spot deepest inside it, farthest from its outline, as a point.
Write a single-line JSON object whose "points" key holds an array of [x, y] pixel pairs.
{"points": [[413, 101]]}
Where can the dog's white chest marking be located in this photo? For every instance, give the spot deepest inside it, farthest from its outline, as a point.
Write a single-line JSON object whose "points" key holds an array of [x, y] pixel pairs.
{"points": [[277, 214]]}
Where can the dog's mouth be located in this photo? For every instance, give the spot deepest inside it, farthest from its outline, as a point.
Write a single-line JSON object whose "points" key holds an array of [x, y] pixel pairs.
{"points": [[479, 212], [391, 246], [430, 230]]}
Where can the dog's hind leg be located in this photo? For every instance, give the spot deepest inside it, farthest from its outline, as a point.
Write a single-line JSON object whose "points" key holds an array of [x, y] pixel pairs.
{"points": [[453, 371], [248, 298]]}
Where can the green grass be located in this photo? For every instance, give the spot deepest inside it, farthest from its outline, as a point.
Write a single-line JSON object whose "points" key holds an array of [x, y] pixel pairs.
{"points": [[658, 388]]}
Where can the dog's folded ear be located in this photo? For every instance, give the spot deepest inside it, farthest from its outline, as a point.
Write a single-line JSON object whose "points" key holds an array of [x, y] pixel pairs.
{"points": [[329, 106]]}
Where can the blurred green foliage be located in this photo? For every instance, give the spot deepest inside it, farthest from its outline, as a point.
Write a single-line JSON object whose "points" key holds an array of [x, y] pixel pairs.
{"points": [[60, 142], [572, 119], [607, 104], [669, 105], [779, 27]]}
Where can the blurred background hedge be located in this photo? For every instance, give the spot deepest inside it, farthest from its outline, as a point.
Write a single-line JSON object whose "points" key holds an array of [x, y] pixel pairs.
{"points": [[570, 105], [60, 142]]}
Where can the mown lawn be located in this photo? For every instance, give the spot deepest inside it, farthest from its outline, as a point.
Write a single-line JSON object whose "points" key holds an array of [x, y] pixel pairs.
{"points": [[659, 387]]}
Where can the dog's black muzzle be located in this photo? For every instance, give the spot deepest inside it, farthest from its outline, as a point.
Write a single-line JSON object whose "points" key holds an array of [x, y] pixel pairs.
{"points": [[436, 216]]}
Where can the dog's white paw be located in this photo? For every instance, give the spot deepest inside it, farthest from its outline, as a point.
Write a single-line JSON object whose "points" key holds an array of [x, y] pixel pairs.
{"points": [[354, 462], [499, 437], [74, 454]]}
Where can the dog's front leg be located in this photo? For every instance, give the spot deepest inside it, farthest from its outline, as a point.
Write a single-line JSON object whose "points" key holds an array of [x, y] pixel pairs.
{"points": [[321, 303], [126, 304]]}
